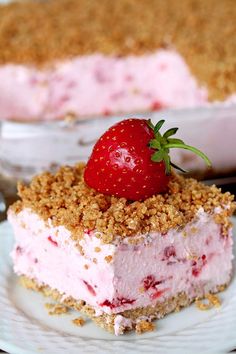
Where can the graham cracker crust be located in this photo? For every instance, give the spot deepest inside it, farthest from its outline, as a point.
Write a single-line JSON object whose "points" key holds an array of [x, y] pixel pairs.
{"points": [[106, 321]]}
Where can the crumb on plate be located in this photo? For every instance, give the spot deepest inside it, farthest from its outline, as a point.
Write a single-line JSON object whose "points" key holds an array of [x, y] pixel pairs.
{"points": [[79, 321], [212, 301], [144, 326], [56, 309]]}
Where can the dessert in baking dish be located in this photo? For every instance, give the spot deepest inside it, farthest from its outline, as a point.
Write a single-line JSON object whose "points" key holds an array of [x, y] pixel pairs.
{"points": [[123, 56], [123, 239]]}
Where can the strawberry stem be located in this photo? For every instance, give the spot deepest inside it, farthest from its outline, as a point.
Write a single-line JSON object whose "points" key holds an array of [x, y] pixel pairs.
{"points": [[190, 148], [164, 143]]}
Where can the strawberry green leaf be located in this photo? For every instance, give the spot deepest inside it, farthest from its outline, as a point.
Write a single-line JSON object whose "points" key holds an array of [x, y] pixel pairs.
{"points": [[170, 132], [155, 144], [158, 126], [163, 144], [175, 141], [158, 136], [167, 163], [158, 156]]}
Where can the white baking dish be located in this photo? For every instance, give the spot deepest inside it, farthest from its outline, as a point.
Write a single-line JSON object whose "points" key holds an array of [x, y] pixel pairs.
{"points": [[29, 148]]}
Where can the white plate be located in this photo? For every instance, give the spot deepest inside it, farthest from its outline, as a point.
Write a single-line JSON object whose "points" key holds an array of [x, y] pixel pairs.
{"points": [[26, 327]]}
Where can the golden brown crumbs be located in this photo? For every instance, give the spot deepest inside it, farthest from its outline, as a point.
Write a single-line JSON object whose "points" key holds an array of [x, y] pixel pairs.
{"points": [[95, 260], [86, 266], [213, 301], [80, 248], [67, 200], [192, 27], [79, 321], [49, 306], [17, 206], [177, 309], [221, 287], [141, 289], [222, 219], [193, 230], [144, 326], [23, 225], [107, 321], [108, 259], [97, 249], [135, 241], [203, 306], [56, 309], [192, 257]]}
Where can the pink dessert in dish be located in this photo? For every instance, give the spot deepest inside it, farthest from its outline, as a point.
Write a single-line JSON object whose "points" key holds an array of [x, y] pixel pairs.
{"points": [[124, 261], [112, 84], [151, 59]]}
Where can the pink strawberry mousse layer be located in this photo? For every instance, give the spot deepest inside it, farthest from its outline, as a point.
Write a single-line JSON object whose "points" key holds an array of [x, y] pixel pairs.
{"points": [[98, 85], [161, 266]]}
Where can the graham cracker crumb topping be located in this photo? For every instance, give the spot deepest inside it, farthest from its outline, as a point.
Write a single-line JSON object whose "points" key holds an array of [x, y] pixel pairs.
{"points": [[67, 200], [202, 31]]}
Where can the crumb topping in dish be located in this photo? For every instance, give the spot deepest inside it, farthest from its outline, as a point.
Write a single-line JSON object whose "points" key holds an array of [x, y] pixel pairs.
{"points": [[70, 27], [67, 200]]}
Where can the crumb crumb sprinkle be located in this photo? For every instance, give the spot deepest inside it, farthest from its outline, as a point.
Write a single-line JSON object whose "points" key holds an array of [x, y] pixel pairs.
{"points": [[108, 259], [97, 249], [106, 320], [64, 198], [144, 326], [56, 309], [212, 301], [79, 321]]}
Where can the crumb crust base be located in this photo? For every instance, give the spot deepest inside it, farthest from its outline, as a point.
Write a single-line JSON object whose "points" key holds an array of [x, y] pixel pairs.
{"points": [[107, 321]]}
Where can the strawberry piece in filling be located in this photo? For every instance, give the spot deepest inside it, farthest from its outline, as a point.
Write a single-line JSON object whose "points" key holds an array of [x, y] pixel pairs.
{"points": [[198, 265], [52, 241], [119, 301]]}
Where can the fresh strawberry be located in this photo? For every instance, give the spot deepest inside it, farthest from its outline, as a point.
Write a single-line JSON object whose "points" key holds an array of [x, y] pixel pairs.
{"points": [[131, 160], [121, 162]]}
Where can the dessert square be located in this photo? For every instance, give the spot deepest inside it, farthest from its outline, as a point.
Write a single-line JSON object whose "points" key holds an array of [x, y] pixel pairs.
{"points": [[122, 263]]}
